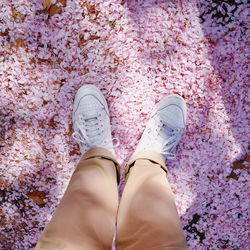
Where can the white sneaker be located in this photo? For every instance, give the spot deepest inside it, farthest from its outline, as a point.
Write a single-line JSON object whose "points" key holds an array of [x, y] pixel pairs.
{"points": [[91, 120], [165, 126]]}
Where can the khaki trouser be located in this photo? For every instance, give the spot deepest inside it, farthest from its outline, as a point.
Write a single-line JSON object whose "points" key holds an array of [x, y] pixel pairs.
{"points": [[87, 214]]}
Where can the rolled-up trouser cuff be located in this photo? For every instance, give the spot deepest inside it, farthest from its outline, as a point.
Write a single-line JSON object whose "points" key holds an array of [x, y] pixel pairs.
{"points": [[152, 156], [105, 154]]}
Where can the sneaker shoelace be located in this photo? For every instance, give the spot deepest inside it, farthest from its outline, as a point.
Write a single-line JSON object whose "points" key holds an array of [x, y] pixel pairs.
{"points": [[90, 126], [173, 136]]}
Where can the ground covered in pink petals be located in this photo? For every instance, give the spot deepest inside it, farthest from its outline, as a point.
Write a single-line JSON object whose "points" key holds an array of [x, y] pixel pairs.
{"points": [[136, 52]]}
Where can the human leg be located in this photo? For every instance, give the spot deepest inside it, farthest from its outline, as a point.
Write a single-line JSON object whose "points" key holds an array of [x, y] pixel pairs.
{"points": [[85, 217], [147, 215]]}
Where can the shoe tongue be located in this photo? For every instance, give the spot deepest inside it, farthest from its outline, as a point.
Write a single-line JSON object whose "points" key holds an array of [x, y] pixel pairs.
{"points": [[90, 114], [90, 118]]}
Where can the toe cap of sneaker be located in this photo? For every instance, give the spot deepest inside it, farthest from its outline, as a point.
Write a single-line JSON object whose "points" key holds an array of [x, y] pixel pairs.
{"points": [[93, 92], [173, 110]]}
